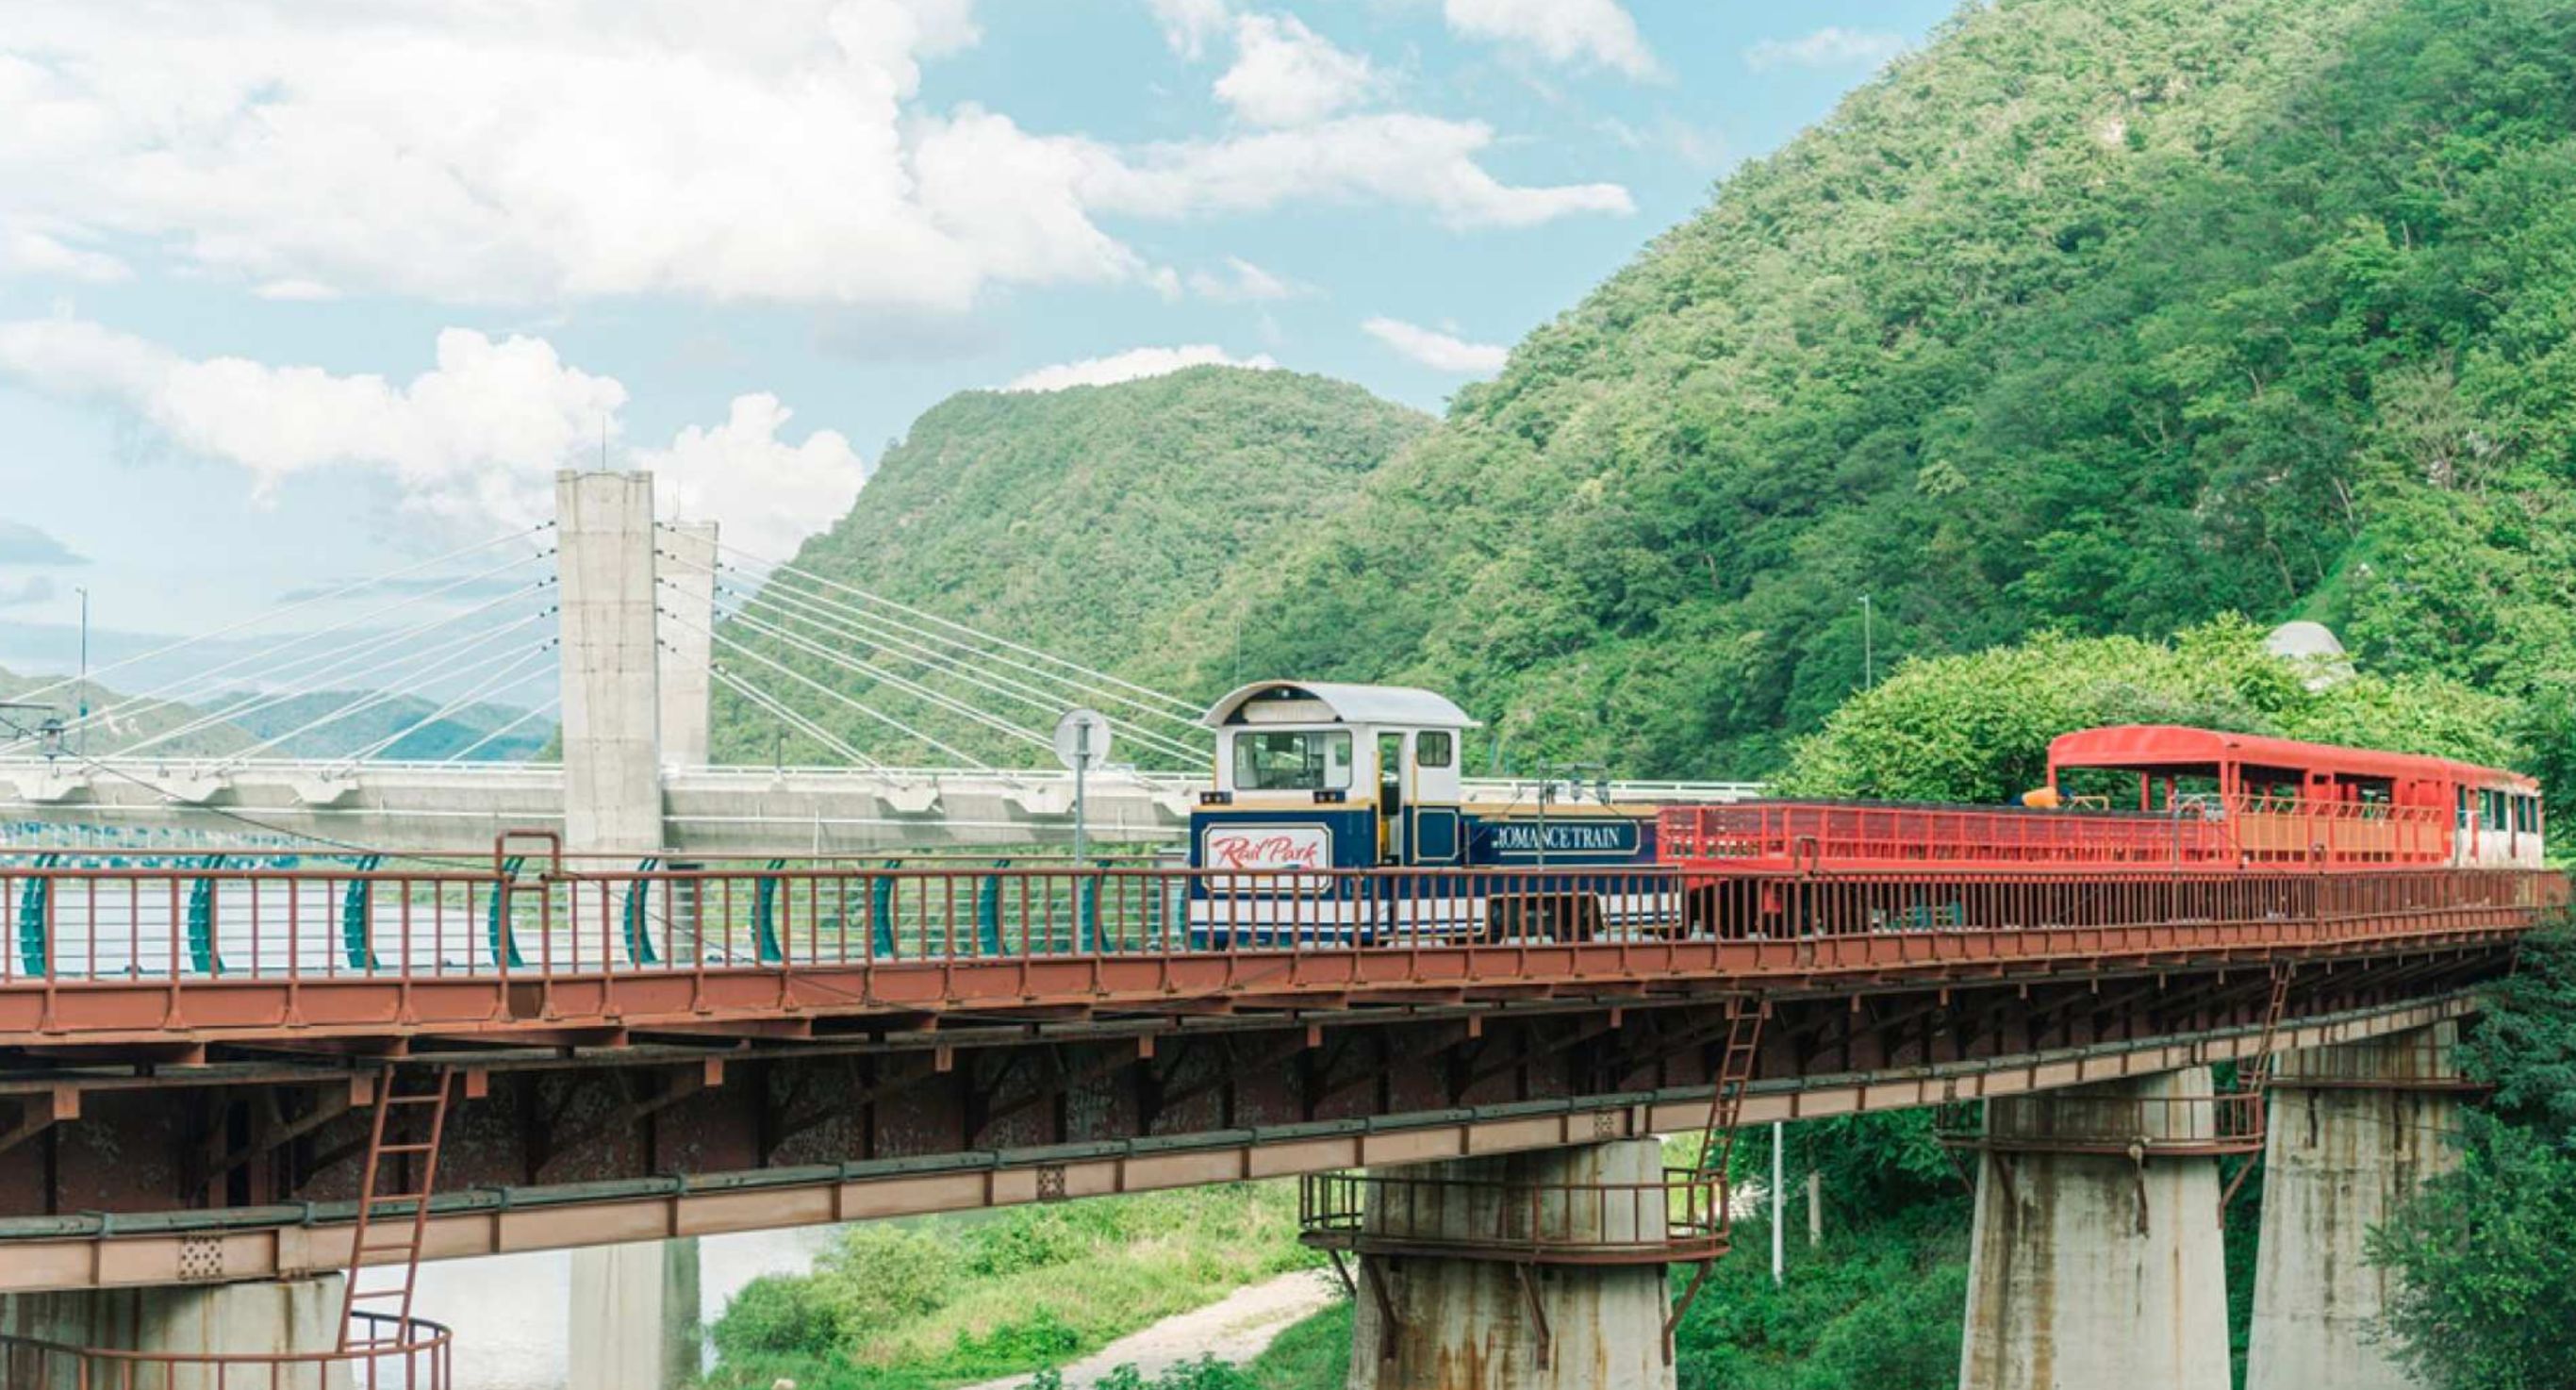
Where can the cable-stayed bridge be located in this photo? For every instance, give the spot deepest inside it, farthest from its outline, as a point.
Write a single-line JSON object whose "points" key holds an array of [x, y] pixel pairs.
{"points": [[912, 731]]}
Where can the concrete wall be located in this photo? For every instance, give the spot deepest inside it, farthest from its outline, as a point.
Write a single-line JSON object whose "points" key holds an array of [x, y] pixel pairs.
{"points": [[296, 1315], [611, 690], [686, 569], [1468, 1325], [2094, 1271], [2337, 1161]]}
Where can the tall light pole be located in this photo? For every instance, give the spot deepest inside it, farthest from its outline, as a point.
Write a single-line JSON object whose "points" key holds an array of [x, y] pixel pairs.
{"points": [[1868, 643], [81, 744]]}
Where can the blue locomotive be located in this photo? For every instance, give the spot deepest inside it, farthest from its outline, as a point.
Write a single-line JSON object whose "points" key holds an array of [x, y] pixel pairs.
{"points": [[1316, 781]]}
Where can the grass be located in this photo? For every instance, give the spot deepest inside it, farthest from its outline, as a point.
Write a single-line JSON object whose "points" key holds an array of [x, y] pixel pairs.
{"points": [[1313, 1353], [949, 1300]]}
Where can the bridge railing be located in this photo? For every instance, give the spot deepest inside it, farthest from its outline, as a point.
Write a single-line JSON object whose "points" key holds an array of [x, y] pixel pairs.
{"points": [[539, 916], [2236, 832]]}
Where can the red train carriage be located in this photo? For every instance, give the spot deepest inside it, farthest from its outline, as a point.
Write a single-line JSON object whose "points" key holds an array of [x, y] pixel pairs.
{"points": [[2153, 795]]}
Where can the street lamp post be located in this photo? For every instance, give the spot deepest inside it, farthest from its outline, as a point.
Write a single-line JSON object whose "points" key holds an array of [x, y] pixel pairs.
{"points": [[81, 723]]}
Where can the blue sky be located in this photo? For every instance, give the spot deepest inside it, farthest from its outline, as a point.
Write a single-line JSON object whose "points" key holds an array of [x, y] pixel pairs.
{"points": [[310, 289]]}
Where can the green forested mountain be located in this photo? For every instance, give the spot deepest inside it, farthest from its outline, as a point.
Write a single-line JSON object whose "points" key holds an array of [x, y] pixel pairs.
{"points": [[2106, 315], [1079, 521], [2102, 316]]}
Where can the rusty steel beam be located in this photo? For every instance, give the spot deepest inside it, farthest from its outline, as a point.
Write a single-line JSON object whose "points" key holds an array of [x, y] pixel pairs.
{"points": [[75, 1252]]}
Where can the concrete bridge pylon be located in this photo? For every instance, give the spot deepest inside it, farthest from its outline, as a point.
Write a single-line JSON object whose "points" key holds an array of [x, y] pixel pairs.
{"points": [[633, 1320]]}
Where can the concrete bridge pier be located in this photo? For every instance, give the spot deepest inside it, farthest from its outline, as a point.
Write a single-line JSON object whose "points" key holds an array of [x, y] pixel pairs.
{"points": [[1426, 1319], [2096, 1258], [247, 1319], [634, 1323], [2354, 1130]]}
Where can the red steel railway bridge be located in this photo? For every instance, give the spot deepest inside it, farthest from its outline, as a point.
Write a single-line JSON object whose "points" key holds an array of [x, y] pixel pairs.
{"points": [[205, 1068], [242, 1097]]}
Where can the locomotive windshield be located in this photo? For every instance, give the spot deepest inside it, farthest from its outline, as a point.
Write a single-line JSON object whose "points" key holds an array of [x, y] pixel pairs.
{"points": [[1292, 760]]}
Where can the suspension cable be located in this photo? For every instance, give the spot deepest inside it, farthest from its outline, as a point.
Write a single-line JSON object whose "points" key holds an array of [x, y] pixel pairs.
{"points": [[1100, 677], [880, 716], [950, 666], [862, 666], [514, 675], [343, 591], [791, 718], [772, 588], [552, 704]]}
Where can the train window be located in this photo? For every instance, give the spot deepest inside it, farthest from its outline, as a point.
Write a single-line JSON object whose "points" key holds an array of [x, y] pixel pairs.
{"points": [[1432, 748], [1292, 760]]}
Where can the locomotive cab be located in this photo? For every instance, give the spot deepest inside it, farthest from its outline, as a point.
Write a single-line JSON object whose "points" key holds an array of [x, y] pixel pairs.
{"points": [[1318, 775]]}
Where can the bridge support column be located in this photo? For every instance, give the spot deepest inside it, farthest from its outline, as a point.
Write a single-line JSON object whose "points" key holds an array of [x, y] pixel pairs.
{"points": [[1428, 1322], [688, 602], [611, 701], [634, 1323], [2096, 1257], [291, 1315], [2354, 1130]]}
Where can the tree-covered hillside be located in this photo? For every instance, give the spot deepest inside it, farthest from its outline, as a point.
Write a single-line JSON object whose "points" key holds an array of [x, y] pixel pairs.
{"points": [[2107, 315], [1079, 521]]}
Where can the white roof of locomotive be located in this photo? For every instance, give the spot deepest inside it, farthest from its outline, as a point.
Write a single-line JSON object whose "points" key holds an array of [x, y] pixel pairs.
{"points": [[1352, 704]]}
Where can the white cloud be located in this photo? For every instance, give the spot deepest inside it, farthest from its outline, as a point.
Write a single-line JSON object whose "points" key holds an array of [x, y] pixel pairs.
{"points": [[1242, 283], [1135, 364], [1287, 74], [1442, 352], [1596, 32], [1189, 24], [1829, 47], [765, 493], [546, 150], [1394, 157], [475, 440]]}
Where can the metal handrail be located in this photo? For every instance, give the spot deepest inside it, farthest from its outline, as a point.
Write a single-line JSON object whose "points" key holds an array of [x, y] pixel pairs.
{"points": [[1680, 1219], [2226, 1122], [398, 1354]]}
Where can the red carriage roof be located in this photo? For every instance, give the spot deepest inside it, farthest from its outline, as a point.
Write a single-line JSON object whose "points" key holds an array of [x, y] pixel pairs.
{"points": [[2173, 745]]}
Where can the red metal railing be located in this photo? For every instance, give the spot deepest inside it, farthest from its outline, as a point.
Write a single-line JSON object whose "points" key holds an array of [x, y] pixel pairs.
{"points": [[1682, 1219], [133, 952], [396, 1354], [2237, 832]]}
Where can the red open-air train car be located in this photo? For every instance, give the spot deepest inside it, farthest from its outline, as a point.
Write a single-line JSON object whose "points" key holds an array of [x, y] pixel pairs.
{"points": [[2202, 800]]}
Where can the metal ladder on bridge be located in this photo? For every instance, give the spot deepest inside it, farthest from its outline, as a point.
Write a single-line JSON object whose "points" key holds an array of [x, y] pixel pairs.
{"points": [[407, 1129], [1735, 1068]]}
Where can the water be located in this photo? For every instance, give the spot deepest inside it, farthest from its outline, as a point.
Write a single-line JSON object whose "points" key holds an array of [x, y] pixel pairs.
{"points": [[508, 1310]]}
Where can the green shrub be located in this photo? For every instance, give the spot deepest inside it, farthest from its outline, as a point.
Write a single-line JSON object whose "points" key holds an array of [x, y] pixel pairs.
{"points": [[778, 1315]]}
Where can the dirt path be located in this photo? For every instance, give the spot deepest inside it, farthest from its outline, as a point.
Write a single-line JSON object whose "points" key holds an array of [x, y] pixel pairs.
{"points": [[1234, 1328]]}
